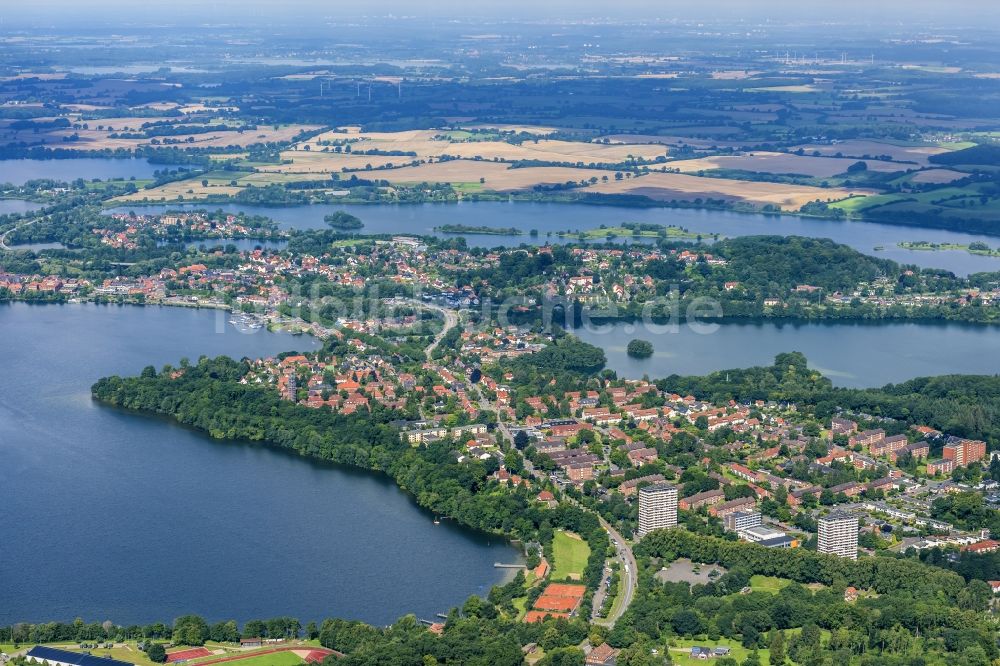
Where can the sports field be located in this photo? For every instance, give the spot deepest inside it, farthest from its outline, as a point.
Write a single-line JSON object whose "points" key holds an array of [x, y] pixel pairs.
{"points": [[185, 655], [570, 553]]}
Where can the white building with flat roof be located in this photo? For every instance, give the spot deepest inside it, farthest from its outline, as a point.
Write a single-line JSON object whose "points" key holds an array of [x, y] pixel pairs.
{"points": [[657, 508], [838, 535], [741, 520], [760, 533]]}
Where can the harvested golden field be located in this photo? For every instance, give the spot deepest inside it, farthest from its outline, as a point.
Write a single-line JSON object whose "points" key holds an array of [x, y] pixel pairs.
{"points": [[419, 141], [669, 140], [498, 177], [527, 129], [97, 139], [783, 163], [803, 88], [937, 176], [556, 151], [426, 146], [734, 74], [860, 147], [668, 186], [315, 162], [186, 189]]}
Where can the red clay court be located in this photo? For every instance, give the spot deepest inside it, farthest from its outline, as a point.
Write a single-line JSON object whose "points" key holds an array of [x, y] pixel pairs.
{"points": [[538, 616], [558, 600], [565, 590], [316, 656], [184, 655]]}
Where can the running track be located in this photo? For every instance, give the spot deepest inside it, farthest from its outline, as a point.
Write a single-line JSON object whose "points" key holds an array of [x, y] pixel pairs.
{"points": [[315, 654]]}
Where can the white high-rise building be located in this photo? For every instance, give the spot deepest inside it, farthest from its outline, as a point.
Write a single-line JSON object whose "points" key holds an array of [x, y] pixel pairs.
{"points": [[838, 535], [657, 508]]}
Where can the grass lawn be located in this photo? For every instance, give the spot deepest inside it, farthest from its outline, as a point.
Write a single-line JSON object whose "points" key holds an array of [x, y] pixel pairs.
{"points": [[132, 656], [768, 584], [273, 659], [521, 604], [535, 656], [680, 653], [570, 553]]}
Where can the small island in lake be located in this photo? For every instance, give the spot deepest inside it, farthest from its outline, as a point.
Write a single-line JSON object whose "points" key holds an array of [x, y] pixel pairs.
{"points": [[975, 247], [639, 230], [639, 349], [342, 220], [480, 229]]}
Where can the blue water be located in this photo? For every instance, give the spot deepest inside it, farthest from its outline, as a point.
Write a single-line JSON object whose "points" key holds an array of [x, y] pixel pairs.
{"points": [[549, 218], [20, 171], [114, 515], [850, 354], [8, 206]]}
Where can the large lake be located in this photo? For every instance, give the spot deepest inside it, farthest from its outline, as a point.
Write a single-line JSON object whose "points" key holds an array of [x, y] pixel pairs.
{"points": [[20, 171], [549, 218], [850, 354], [114, 515], [17, 205]]}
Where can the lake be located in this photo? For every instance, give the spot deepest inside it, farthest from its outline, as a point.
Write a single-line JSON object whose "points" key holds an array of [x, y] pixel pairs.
{"points": [[20, 171], [8, 206], [549, 218], [241, 244], [850, 354], [37, 247], [114, 515]]}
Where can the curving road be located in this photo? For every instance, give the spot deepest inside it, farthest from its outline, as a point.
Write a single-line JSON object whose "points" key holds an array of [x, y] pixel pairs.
{"points": [[4, 235], [450, 322], [630, 573]]}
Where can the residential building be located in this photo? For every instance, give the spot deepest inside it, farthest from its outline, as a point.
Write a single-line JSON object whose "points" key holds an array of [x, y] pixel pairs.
{"points": [[868, 437], [741, 520], [943, 467], [602, 655], [628, 488], [889, 445], [840, 426], [657, 508], [838, 535], [964, 451], [706, 498], [982, 547], [732, 506]]}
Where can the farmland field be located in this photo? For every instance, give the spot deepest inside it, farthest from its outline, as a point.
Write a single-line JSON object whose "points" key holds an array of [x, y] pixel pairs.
{"points": [[669, 186], [784, 163], [858, 148]]}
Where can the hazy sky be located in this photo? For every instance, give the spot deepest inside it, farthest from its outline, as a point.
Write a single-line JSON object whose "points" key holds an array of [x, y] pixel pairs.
{"points": [[982, 13]]}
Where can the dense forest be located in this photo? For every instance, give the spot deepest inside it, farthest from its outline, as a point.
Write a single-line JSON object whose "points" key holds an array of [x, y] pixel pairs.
{"points": [[908, 613]]}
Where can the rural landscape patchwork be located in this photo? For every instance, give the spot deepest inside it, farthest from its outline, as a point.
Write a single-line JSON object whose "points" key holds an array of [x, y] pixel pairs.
{"points": [[500, 333]]}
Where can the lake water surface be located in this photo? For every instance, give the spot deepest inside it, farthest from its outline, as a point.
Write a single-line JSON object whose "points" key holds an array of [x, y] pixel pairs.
{"points": [[114, 515], [20, 171], [17, 205], [549, 218], [850, 354]]}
